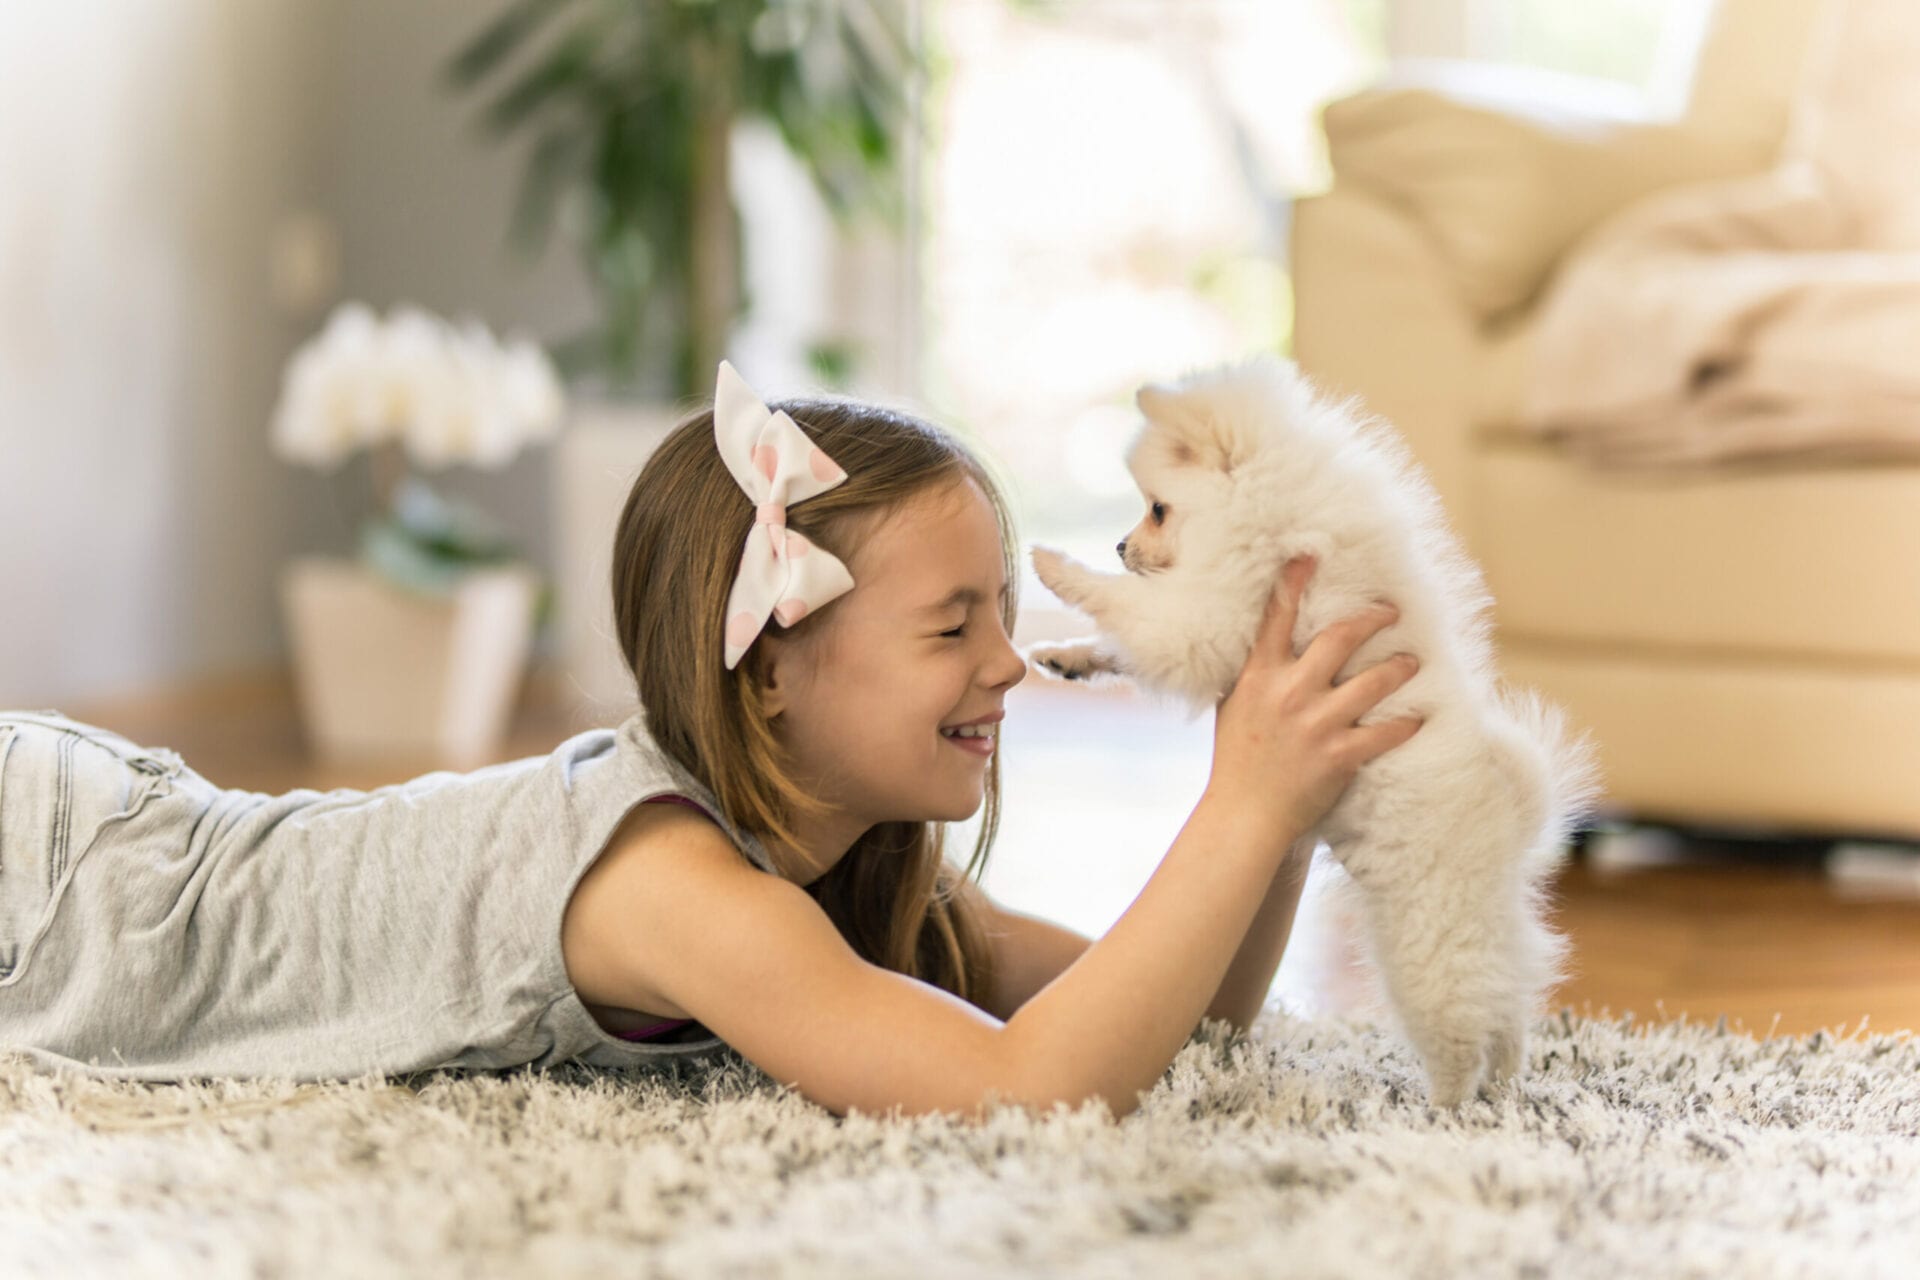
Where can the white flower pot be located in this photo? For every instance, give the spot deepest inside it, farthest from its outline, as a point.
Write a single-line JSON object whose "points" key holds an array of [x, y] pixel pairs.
{"points": [[383, 673]]}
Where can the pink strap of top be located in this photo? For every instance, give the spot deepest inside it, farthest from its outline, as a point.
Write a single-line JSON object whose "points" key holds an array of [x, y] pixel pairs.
{"points": [[670, 1023]]}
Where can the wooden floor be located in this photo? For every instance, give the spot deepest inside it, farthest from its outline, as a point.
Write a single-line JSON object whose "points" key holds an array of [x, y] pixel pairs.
{"points": [[1763, 940], [1766, 946]]}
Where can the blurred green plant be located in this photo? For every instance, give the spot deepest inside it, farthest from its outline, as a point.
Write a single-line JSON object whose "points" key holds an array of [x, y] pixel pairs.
{"points": [[629, 104], [834, 362]]}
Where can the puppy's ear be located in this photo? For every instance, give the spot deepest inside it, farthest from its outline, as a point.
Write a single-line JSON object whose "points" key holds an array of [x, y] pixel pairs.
{"points": [[1193, 437], [1156, 402]]}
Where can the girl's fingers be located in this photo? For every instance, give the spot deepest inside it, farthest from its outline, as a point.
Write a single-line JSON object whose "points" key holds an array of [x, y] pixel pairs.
{"points": [[1275, 640], [1358, 695], [1332, 647]]}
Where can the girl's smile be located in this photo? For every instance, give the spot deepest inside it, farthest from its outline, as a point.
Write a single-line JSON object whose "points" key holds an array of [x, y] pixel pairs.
{"points": [[975, 736], [976, 745]]}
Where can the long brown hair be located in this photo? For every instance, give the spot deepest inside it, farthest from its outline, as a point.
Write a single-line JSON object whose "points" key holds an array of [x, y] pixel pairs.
{"points": [[894, 895]]}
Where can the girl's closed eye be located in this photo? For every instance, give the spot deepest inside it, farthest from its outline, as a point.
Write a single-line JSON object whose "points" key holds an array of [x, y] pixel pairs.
{"points": [[957, 631]]}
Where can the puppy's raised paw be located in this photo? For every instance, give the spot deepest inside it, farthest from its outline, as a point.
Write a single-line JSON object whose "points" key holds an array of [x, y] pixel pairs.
{"points": [[1051, 567], [1079, 660], [1074, 583]]}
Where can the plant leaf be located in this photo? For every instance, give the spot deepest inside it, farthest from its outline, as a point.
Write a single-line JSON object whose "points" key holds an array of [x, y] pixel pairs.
{"points": [[401, 561], [498, 39], [546, 177], [568, 65]]}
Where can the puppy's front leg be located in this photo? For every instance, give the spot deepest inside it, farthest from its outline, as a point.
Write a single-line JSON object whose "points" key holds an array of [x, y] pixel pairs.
{"points": [[1066, 577], [1108, 598], [1077, 659]]}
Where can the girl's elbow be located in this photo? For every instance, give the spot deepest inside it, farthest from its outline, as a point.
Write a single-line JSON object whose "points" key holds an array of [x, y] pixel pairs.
{"points": [[1044, 1104]]}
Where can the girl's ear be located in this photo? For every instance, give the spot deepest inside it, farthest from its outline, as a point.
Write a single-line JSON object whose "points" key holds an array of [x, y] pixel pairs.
{"points": [[773, 669]]}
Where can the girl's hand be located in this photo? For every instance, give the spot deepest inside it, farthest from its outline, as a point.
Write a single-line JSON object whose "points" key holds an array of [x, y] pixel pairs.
{"points": [[1285, 745]]}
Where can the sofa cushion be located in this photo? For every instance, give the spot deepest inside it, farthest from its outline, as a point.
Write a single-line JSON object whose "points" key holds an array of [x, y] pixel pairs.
{"points": [[1503, 168], [1801, 562], [1747, 740]]}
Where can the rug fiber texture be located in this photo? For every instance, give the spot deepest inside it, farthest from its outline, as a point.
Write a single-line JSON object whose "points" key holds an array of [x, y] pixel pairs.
{"points": [[1305, 1149]]}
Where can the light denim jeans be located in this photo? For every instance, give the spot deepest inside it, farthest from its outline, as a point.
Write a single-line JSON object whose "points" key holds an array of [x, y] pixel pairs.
{"points": [[62, 783]]}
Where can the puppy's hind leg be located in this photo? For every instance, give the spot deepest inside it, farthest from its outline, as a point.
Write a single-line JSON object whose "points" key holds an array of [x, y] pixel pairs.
{"points": [[1454, 1057], [1529, 960], [1536, 961], [1429, 970], [1506, 1048]]}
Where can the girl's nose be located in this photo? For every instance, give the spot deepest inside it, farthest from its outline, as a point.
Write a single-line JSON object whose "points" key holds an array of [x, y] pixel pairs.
{"points": [[1012, 668]]}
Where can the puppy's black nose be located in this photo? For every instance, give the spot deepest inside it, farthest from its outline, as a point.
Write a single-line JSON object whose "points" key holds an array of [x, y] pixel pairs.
{"points": [[1121, 548]]}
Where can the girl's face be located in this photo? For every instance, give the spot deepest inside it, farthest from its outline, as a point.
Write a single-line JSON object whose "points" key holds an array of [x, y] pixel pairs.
{"points": [[916, 645]]}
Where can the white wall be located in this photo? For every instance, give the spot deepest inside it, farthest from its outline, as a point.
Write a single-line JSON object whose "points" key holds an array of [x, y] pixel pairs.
{"points": [[148, 146], [155, 152]]}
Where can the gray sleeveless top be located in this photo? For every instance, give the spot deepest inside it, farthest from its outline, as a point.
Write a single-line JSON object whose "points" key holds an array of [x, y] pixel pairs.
{"points": [[154, 926]]}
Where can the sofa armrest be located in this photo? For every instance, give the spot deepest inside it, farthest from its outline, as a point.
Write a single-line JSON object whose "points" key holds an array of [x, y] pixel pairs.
{"points": [[1504, 168]]}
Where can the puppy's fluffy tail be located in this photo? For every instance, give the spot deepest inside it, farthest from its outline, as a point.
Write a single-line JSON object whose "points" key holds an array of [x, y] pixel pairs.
{"points": [[1563, 765]]}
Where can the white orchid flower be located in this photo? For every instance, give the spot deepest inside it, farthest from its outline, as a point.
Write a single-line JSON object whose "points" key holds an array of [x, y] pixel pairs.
{"points": [[448, 394], [318, 419]]}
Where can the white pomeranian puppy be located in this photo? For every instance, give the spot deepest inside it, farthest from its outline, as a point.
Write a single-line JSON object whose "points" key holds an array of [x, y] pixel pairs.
{"points": [[1451, 838]]}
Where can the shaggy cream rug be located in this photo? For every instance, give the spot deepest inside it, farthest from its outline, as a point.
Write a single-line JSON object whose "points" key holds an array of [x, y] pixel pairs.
{"points": [[1304, 1150]]}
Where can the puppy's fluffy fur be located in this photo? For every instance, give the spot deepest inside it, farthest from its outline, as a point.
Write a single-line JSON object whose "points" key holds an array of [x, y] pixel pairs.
{"points": [[1451, 838]]}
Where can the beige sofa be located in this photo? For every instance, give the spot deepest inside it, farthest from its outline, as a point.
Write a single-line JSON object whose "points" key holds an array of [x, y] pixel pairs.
{"points": [[1745, 647]]}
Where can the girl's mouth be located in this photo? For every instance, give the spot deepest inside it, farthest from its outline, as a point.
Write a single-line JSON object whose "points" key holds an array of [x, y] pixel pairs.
{"points": [[975, 740]]}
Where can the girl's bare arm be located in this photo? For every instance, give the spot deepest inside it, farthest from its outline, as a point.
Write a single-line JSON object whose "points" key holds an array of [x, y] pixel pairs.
{"points": [[755, 959], [1108, 1026], [1029, 951]]}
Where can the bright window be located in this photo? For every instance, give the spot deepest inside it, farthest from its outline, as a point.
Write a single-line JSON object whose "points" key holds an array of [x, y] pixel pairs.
{"points": [[1108, 204], [1625, 40]]}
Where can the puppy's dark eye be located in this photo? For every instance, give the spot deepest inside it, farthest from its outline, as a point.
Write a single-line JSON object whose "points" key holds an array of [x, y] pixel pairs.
{"points": [[1159, 512]]}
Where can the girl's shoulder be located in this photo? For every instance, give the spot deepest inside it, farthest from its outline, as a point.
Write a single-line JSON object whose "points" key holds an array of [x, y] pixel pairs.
{"points": [[659, 858]]}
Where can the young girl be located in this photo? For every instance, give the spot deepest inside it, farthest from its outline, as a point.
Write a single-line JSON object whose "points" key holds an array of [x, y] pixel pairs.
{"points": [[815, 599]]}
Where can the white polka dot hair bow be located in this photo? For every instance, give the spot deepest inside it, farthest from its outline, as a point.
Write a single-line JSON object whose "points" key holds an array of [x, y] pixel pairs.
{"points": [[781, 574]]}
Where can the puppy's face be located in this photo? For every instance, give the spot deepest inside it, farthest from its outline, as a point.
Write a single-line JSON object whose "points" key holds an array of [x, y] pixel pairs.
{"points": [[1181, 475], [1149, 545]]}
